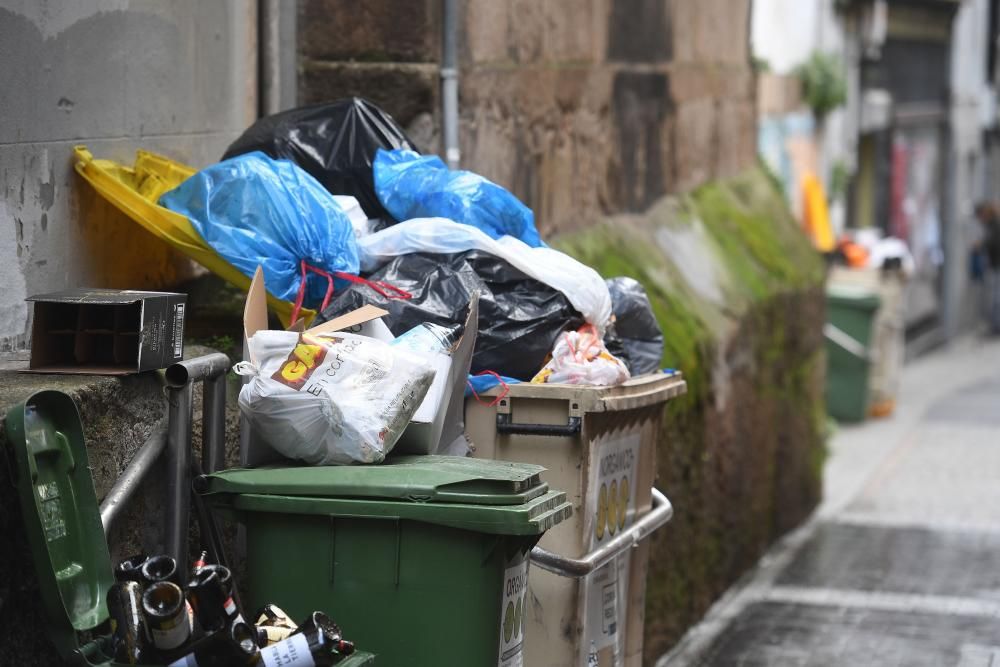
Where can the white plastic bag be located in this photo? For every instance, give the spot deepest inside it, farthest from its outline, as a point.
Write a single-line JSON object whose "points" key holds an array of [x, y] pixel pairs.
{"points": [[583, 286], [580, 357], [352, 209], [332, 399]]}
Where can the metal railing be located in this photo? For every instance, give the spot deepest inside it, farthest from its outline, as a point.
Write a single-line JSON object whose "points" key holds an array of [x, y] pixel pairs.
{"points": [[172, 438], [565, 566]]}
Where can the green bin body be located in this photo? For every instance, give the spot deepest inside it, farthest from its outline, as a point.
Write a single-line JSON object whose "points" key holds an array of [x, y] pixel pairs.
{"points": [[851, 311], [422, 560]]}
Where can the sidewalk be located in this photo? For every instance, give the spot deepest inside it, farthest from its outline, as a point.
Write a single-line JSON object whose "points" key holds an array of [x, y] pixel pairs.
{"points": [[901, 563]]}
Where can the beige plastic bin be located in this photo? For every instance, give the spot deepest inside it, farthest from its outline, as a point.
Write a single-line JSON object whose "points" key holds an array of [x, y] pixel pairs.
{"points": [[888, 340], [588, 574]]}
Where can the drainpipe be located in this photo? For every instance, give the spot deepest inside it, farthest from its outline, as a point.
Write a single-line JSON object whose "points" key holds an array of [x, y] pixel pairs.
{"points": [[449, 82], [276, 55]]}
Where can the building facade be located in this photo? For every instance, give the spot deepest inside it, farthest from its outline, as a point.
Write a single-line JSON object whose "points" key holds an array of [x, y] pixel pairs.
{"points": [[915, 136]]}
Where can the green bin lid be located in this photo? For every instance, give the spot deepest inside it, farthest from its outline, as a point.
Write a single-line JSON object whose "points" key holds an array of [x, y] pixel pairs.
{"points": [[854, 296], [422, 479], [495, 497], [531, 518], [61, 515]]}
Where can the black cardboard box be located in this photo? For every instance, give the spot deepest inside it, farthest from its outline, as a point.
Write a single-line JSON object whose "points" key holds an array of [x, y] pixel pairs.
{"points": [[106, 331]]}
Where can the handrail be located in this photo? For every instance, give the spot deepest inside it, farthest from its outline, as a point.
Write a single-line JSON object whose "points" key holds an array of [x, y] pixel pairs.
{"points": [[564, 566]]}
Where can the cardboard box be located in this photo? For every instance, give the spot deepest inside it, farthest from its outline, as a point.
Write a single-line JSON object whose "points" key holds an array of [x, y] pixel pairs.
{"points": [[106, 331], [443, 432]]}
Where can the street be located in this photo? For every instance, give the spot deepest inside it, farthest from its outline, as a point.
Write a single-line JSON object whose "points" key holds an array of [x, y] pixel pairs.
{"points": [[900, 565]]}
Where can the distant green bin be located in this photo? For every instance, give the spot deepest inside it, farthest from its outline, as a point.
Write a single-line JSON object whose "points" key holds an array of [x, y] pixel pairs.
{"points": [[850, 315], [422, 560]]}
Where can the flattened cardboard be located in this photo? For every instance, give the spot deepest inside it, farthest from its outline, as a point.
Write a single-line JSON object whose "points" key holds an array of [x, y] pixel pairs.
{"points": [[96, 331], [254, 311], [354, 318], [446, 432], [255, 315]]}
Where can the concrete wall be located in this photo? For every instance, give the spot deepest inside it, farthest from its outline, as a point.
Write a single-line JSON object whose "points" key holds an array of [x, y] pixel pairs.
{"points": [[175, 77], [580, 107]]}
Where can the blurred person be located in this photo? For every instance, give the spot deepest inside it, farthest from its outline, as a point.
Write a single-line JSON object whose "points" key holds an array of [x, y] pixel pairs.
{"points": [[989, 247]]}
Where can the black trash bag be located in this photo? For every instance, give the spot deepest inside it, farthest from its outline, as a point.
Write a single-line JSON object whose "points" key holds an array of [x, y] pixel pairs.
{"points": [[336, 143], [519, 317], [635, 337]]}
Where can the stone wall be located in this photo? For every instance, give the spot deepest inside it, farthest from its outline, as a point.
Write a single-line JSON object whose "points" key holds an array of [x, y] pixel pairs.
{"points": [[581, 107], [737, 289]]}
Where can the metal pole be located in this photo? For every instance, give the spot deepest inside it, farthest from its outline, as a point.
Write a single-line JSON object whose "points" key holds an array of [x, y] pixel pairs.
{"points": [[200, 368], [178, 465], [276, 57], [134, 474], [212, 369], [213, 425], [449, 83]]}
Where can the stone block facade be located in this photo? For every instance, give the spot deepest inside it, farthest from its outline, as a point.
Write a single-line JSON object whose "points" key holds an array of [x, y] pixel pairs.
{"points": [[582, 108]]}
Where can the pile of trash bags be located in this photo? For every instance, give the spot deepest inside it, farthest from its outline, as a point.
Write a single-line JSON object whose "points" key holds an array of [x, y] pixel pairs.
{"points": [[341, 211]]}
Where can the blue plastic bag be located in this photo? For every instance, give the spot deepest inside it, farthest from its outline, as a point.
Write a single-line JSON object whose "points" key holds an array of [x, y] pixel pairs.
{"points": [[411, 185], [477, 384], [257, 211]]}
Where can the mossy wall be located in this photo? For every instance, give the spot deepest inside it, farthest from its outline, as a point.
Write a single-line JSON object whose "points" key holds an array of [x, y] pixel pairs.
{"points": [[737, 289]]}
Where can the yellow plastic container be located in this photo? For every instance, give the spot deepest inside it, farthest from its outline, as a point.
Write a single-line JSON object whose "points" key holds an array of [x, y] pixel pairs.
{"points": [[135, 191]]}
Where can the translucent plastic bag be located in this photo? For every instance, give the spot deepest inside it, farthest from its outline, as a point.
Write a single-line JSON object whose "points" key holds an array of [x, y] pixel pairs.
{"points": [[410, 185], [255, 211], [580, 357], [333, 399], [583, 287]]}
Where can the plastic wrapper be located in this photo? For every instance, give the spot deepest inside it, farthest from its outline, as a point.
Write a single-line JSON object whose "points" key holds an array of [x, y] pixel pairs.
{"points": [[334, 142], [635, 337], [255, 211], [580, 357], [410, 185], [582, 286], [519, 317], [333, 399]]}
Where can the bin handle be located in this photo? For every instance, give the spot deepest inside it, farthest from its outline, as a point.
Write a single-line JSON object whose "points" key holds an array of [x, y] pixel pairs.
{"points": [[506, 426], [844, 340], [580, 567]]}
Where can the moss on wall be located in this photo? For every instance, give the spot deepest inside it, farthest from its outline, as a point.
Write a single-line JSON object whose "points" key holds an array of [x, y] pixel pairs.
{"points": [[737, 289]]}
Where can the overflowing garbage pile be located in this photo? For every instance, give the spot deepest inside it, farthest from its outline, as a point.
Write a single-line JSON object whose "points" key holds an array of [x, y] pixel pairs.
{"points": [[164, 615], [336, 210]]}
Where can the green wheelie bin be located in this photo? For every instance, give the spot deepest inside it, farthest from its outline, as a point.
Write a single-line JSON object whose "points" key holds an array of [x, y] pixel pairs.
{"points": [[422, 560], [62, 522], [850, 317]]}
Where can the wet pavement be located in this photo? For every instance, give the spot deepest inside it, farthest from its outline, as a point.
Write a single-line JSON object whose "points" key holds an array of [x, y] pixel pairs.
{"points": [[901, 563]]}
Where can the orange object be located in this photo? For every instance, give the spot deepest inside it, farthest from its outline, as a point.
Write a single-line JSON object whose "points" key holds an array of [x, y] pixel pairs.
{"points": [[882, 408], [855, 254]]}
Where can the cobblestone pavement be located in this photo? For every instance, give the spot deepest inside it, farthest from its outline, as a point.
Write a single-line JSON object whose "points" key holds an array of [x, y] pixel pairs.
{"points": [[901, 563]]}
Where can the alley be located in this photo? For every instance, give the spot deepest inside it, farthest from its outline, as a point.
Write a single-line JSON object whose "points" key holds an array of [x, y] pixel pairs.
{"points": [[901, 563]]}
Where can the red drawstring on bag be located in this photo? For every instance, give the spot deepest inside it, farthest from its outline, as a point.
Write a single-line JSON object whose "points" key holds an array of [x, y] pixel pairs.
{"points": [[501, 396], [382, 288]]}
